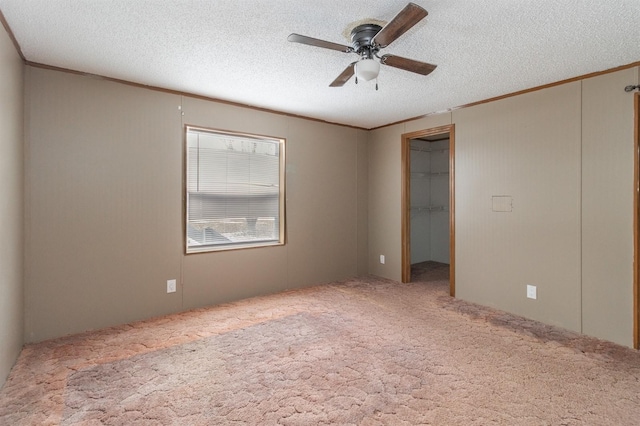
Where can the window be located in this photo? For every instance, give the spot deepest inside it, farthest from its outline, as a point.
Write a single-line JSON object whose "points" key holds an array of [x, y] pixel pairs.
{"points": [[234, 190]]}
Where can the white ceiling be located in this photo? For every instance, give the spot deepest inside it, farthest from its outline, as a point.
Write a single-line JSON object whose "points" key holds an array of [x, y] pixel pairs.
{"points": [[237, 50]]}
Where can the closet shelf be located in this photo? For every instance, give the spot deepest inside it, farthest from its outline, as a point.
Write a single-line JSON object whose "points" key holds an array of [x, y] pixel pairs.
{"points": [[421, 209], [419, 175], [428, 149]]}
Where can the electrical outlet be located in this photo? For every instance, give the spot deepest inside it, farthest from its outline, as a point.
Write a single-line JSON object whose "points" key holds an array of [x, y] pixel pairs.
{"points": [[532, 292], [171, 286], [382, 259]]}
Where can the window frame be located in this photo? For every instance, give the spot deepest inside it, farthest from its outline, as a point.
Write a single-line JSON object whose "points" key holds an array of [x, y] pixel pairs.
{"points": [[281, 143]]}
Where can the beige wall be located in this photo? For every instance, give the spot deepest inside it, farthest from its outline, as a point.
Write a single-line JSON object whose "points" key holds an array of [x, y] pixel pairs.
{"points": [[526, 147], [385, 217], [607, 204], [104, 205], [11, 204], [363, 203], [565, 155]]}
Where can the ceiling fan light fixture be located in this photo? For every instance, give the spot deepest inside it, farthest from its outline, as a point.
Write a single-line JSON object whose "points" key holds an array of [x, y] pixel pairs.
{"points": [[367, 69]]}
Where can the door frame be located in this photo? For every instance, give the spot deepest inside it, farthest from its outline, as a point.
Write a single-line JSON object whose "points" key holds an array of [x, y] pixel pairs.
{"points": [[636, 221], [406, 201]]}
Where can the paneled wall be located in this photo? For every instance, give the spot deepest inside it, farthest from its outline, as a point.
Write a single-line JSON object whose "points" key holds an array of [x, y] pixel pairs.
{"points": [[11, 204], [385, 238], [104, 210], [526, 148], [563, 157], [607, 206], [104, 200]]}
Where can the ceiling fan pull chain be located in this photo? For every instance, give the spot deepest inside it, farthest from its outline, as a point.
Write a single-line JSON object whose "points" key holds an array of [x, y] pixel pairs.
{"points": [[376, 84], [356, 79]]}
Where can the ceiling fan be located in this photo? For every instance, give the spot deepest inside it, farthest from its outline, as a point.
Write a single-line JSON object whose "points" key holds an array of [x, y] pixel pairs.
{"points": [[367, 40]]}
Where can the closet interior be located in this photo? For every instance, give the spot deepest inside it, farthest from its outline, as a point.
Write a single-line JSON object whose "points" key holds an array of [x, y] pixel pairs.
{"points": [[429, 165]]}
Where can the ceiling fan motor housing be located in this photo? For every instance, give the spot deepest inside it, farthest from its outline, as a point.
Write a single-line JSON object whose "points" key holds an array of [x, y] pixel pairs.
{"points": [[361, 39]]}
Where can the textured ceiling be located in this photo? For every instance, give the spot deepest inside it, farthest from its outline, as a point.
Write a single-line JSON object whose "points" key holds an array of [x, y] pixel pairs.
{"points": [[237, 50]]}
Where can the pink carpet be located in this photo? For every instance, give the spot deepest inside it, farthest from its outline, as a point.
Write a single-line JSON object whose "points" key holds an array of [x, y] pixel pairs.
{"points": [[365, 352]]}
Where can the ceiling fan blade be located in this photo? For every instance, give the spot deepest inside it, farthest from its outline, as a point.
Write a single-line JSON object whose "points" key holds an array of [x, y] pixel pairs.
{"points": [[401, 23], [344, 76], [407, 64], [297, 38]]}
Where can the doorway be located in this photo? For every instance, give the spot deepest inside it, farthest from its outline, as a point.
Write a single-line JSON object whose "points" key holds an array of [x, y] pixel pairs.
{"points": [[428, 202]]}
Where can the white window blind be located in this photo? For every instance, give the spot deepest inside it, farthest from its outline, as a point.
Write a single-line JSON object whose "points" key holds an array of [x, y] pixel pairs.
{"points": [[235, 190]]}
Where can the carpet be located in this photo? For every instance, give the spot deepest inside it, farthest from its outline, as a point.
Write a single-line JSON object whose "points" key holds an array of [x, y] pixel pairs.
{"points": [[366, 351]]}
